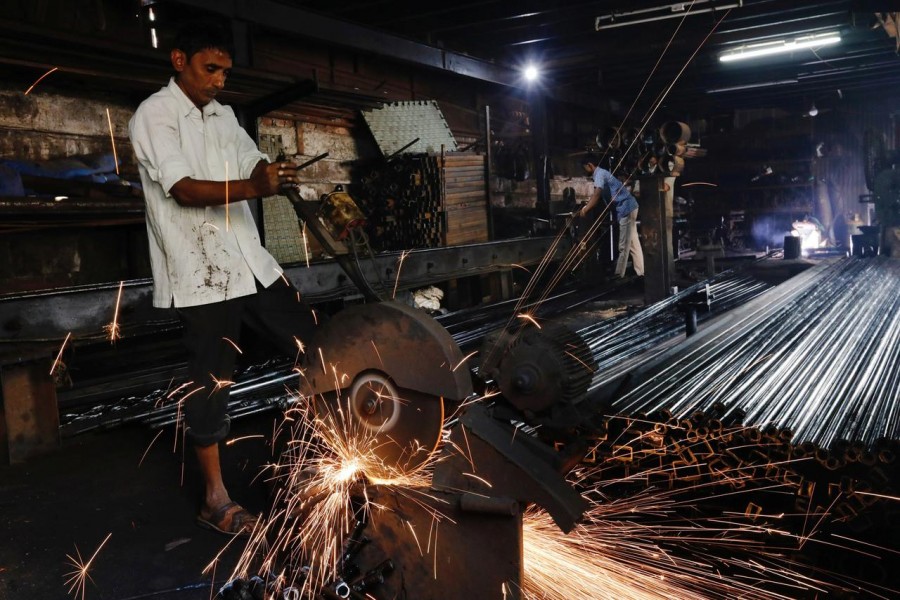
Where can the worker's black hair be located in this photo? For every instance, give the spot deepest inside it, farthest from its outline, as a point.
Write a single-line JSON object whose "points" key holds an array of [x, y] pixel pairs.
{"points": [[194, 36], [590, 159]]}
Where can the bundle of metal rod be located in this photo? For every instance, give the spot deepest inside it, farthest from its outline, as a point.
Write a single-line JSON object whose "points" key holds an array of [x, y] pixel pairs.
{"points": [[257, 388], [261, 387], [616, 344], [818, 356]]}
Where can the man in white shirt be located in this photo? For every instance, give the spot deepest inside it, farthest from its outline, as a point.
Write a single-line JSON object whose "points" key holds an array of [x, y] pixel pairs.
{"points": [[198, 167]]}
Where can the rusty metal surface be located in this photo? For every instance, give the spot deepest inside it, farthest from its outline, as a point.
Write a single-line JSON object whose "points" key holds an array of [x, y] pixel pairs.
{"points": [[517, 466], [48, 315], [30, 415], [459, 556], [413, 349]]}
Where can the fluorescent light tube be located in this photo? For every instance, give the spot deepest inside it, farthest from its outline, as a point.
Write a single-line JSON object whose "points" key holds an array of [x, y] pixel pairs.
{"points": [[779, 47]]}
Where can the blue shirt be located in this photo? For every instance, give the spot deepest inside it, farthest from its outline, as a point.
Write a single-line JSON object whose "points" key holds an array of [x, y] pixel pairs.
{"points": [[612, 189]]}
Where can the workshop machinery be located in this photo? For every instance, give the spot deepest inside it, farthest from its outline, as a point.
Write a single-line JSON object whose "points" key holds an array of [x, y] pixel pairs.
{"points": [[390, 374], [521, 446]]}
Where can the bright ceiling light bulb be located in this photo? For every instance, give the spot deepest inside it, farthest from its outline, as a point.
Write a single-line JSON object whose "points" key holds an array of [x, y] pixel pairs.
{"points": [[531, 73]]}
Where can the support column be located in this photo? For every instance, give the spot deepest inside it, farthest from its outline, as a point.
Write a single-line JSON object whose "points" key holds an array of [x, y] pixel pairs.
{"points": [[29, 421], [655, 215]]}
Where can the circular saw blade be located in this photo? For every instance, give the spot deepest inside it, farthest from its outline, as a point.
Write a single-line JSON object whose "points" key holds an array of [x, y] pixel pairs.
{"points": [[401, 427]]}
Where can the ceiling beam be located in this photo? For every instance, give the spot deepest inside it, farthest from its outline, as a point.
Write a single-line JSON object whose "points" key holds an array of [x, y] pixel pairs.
{"points": [[297, 21]]}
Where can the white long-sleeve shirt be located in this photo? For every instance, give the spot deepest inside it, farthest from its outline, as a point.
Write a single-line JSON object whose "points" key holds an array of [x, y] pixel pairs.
{"points": [[198, 255]]}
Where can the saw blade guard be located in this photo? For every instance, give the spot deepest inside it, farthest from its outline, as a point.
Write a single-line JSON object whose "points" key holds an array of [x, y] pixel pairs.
{"points": [[413, 350]]}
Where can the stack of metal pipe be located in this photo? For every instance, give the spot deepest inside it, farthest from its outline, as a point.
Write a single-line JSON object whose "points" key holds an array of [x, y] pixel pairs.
{"points": [[617, 345], [818, 356]]}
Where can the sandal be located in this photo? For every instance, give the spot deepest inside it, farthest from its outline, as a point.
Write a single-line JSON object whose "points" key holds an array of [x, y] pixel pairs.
{"points": [[230, 519]]}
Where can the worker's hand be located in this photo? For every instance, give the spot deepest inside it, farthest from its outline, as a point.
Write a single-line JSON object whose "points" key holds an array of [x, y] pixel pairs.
{"points": [[582, 212], [269, 178]]}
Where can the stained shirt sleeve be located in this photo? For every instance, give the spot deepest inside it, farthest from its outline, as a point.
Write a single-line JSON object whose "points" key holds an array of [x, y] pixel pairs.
{"points": [[154, 135]]}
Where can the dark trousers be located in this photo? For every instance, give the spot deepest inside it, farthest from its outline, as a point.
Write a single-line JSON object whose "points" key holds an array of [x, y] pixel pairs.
{"points": [[277, 313]]}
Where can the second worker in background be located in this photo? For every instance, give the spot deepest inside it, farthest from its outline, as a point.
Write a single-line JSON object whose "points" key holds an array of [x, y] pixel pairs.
{"points": [[612, 190]]}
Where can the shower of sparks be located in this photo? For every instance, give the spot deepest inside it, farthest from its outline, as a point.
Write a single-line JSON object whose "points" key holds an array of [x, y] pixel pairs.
{"points": [[323, 473], [59, 355], [226, 195], [641, 538], [399, 267], [607, 558], [113, 332], [39, 79], [638, 548], [112, 139], [78, 577]]}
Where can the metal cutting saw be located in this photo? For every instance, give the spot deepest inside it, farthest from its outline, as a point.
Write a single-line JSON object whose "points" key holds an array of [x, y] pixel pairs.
{"points": [[390, 364], [394, 367]]}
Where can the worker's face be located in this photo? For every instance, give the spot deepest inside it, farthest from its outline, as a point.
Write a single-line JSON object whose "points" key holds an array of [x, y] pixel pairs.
{"points": [[588, 168], [203, 75]]}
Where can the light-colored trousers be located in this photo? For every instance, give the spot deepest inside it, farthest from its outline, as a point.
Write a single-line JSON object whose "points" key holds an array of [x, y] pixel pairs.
{"points": [[629, 243]]}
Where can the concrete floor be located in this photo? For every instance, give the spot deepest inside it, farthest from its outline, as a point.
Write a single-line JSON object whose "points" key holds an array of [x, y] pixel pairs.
{"points": [[123, 484]]}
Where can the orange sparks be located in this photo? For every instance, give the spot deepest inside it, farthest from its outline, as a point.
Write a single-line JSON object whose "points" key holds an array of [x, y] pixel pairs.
{"points": [[584, 364], [477, 478], [77, 578], [39, 79], [695, 183], [330, 454], [305, 244], [58, 356], [150, 446], [464, 359], [528, 317], [112, 330], [399, 267], [112, 139], [220, 383], [233, 344], [377, 353], [233, 441]]}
